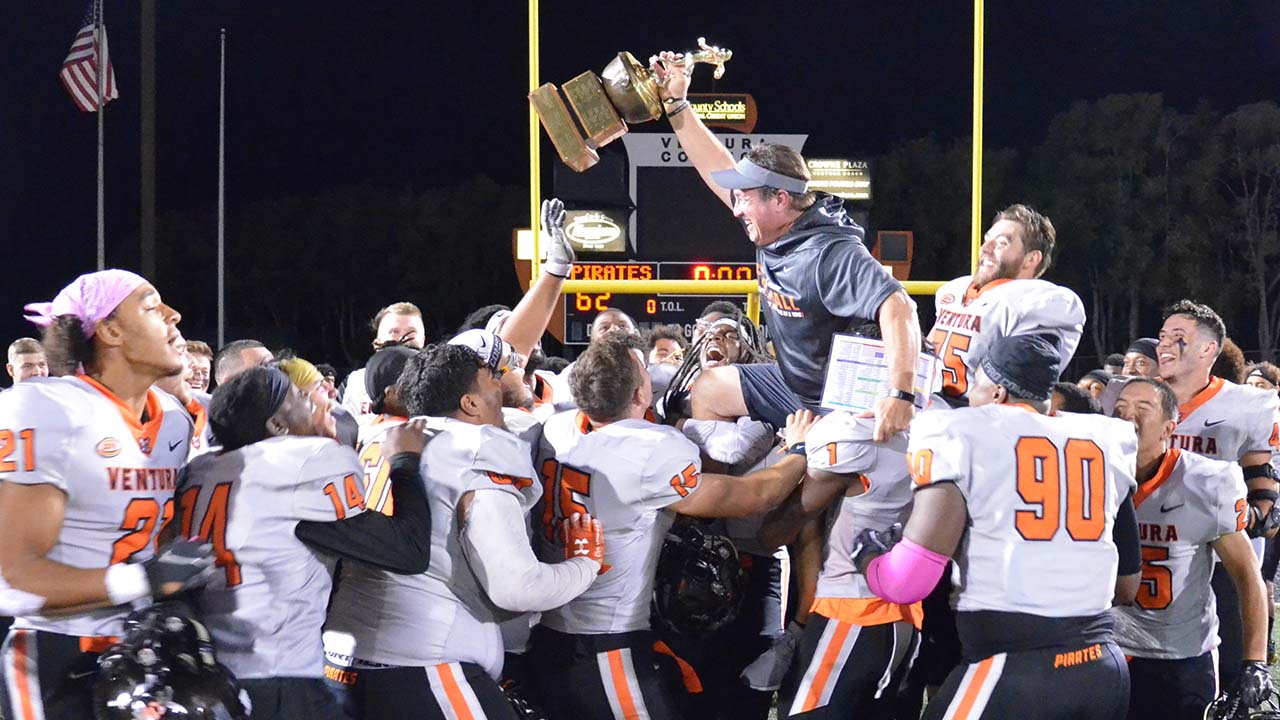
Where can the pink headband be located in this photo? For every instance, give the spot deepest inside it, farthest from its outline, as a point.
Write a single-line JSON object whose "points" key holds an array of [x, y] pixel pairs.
{"points": [[90, 297]]}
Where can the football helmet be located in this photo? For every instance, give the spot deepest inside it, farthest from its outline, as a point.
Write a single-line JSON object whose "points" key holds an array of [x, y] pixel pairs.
{"points": [[700, 584], [1227, 707], [165, 667]]}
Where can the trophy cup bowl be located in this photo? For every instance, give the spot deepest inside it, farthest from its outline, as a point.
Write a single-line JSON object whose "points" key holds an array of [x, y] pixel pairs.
{"points": [[632, 89], [624, 92]]}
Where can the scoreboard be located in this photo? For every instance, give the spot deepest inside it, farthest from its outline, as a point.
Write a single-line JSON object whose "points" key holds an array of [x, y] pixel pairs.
{"points": [[651, 309]]}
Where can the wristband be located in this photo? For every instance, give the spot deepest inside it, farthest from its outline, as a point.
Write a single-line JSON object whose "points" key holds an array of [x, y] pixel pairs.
{"points": [[677, 108], [126, 582], [797, 449], [673, 100], [897, 394]]}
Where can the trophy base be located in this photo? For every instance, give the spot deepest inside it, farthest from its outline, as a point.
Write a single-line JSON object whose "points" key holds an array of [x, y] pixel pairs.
{"points": [[564, 133], [600, 121]]}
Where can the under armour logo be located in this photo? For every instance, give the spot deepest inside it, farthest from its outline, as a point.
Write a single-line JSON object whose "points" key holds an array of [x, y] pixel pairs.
{"points": [[580, 547]]}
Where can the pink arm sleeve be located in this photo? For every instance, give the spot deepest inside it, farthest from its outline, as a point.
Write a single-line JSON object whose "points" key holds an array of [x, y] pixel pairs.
{"points": [[905, 574]]}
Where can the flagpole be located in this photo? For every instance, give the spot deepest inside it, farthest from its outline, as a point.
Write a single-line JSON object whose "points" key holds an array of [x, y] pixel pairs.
{"points": [[222, 189], [99, 55]]}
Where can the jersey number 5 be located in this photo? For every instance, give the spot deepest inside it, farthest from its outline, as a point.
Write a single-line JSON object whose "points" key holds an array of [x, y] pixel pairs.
{"points": [[1046, 474], [559, 485], [955, 374]]}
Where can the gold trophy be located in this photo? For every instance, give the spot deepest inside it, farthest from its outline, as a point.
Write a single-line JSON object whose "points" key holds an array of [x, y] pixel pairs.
{"points": [[627, 93]]}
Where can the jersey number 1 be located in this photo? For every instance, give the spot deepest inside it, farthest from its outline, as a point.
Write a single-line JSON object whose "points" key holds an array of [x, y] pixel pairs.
{"points": [[1046, 474], [213, 527]]}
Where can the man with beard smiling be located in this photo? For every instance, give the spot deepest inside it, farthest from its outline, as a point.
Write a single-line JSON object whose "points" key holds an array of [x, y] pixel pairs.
{"points": [[974, 310], [1225, 421]]}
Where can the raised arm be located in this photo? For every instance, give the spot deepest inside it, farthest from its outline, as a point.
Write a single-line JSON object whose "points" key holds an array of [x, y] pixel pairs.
{"points": [[528, 320], [705, 151]]}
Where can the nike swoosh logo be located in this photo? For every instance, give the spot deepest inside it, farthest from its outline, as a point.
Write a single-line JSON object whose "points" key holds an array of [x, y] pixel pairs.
{"points": [[174, 445], [1211, 424], [78, 676], [1164, 509]]}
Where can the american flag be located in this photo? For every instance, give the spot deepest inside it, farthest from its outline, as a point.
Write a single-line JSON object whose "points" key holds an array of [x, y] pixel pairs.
{"points": [[80, 69]]}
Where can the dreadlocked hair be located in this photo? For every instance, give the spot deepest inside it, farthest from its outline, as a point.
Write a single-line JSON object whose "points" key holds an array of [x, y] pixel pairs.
{"points": [[750, 340]]}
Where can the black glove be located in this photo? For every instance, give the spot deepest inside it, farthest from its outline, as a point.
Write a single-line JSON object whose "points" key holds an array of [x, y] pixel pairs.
{"points": [[1254, 686], [181, 565], [871, 544]]}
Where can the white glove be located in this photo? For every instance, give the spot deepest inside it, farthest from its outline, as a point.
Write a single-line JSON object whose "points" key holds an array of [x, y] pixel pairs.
{"points": [[558, 254]]}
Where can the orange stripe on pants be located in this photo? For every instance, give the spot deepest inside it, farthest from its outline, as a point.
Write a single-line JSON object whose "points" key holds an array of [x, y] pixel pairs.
{"points": [[26, 704], [619, 676], [828, 664], [454, 693], [975, 687]]}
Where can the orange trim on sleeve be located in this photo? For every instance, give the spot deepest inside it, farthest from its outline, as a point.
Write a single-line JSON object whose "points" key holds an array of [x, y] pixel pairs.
{"points": [[973, 690], [1162, 473], [1202, 397], [866, 612], [144, 434], [688, 675]]}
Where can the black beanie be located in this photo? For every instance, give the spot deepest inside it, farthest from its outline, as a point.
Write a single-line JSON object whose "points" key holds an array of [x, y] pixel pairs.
{"points": [[1026, 365], [383, 370]]}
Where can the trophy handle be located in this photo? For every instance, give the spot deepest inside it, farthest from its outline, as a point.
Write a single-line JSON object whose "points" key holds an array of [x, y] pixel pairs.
{"points": [[710, 55]]}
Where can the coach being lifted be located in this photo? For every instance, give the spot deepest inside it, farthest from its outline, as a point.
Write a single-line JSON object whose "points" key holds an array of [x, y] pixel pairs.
{"points": [[816, 276]]}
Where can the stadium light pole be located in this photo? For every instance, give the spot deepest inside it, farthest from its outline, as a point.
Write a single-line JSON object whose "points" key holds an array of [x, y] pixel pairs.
{"points": [[535, 157], [975, 216]]}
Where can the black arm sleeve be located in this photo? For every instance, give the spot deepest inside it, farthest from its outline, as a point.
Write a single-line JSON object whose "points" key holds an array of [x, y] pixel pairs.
{"points": [[399, 543], [1125, 536]]}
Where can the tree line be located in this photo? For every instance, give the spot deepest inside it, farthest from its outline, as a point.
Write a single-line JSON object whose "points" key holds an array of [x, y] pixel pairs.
{"points": [[1151, 204]]}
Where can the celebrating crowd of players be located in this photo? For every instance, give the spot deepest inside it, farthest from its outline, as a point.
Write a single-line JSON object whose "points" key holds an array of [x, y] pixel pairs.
{"points": [[471, 533]]}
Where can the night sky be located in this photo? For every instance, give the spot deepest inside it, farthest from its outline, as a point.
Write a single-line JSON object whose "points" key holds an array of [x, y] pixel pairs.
{"points": [[323, 94]]}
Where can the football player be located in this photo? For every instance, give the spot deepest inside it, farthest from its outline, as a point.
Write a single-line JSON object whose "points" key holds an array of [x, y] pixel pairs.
{"points": [[1189, 507], [399, 323], [1004, 297], [429, 645], [278, 501], [1030, 496], [1224, 421], [856, 648], [385, 412], [88, 464], [196, 402], [607, 460]]}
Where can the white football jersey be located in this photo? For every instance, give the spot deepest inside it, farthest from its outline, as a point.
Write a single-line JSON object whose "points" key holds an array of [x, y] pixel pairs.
{"points": [[377, 469], [1042, 494], [625, 474], [202, 439], [118, 475], [355, 398], [842, 443], [969, 321], [1227, 421], [266, 606], [442, 615], [523, 424], [1190, 502]]}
